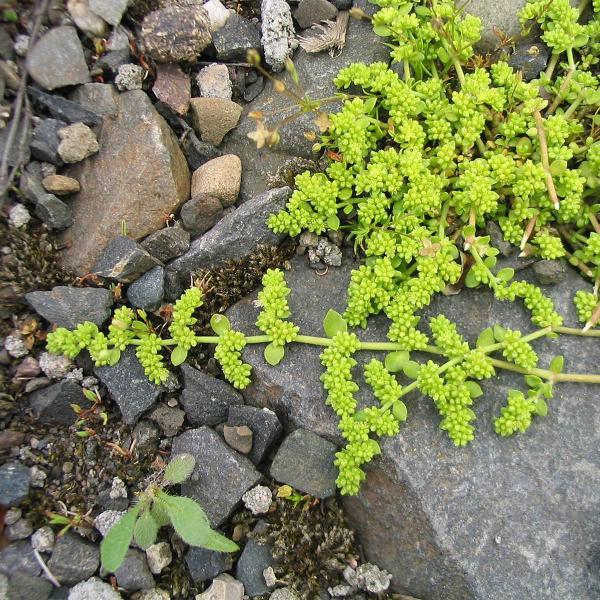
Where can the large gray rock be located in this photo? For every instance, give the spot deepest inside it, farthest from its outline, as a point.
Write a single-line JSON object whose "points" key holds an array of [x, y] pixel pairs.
{"points": [[129, 387], [67, 306], [57, 59], [18, 557], [28, 587], [254, 559], [52, 405], [492, 520], [140, 176], [14, 483], [235, 235], [124, 260], [221, 475], [206, 399], [134, 574], [316, 73], [205, 564], [73, 559]]}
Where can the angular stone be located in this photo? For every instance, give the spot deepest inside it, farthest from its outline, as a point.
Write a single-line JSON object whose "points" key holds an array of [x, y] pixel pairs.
{"points": [[239, 438], [45, 141], [316, 72], [306, 462], [206, 399], [219, 178], [549, 272], [221, 475], [60, 185], [14, 483], [85, 19], [530, 58], [129, 77], [223, 587], [196, 151], [140, 175], [200, 213], [73, 559], [57, 59], [113, 61], [134, 574], [167, 243], [93, 589], [27, 587], [55, 213], [110, 10], [77, 142], [310, 12], [128, 386], [235, 235], [146, 436], [123, 260], [67, 306], [159, 556], [235, 38], [65, 110], [264, 424], [14, 155], [411, 512], [255, 558], [176, 33], [101, 98], [173, 87], [52, 405], [18, 557], [169, 419], [213, 82], [30, 185], [205, 564], [147, 292], [213, 118]]}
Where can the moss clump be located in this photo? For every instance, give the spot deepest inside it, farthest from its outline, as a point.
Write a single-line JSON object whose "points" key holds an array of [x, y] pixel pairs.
{"points": [[312, 545]]}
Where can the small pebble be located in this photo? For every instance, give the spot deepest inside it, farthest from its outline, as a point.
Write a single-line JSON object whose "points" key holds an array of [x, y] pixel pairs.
{"points": [[270, 577], [38, 477], [105, 520], [130, 77], [15, 346], [239, 438], [54, 366], [21, 45], [19, 531], [18, 216], [159, 557], [12, 516], [258, 499], [67, 467], [118, 489], [43, 539]]}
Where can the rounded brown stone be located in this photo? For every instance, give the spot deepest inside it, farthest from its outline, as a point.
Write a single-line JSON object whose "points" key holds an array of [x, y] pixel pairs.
{"points": [[61, 185]]}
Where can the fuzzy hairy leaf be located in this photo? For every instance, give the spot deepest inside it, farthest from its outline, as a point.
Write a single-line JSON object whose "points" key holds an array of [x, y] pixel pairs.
{"points": [[180, 468], [159, 513], [116, 542], [145, 530]]}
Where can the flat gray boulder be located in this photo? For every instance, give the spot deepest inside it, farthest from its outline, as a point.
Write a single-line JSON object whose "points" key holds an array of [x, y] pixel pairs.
{"points": [[508, 518]]}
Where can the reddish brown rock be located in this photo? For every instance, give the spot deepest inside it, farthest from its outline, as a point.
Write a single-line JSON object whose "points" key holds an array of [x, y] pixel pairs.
{"points": [[172, 86], [140, 175]]}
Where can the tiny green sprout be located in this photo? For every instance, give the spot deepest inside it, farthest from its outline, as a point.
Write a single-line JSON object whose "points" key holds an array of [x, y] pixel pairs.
{"points": [[155, 509]]}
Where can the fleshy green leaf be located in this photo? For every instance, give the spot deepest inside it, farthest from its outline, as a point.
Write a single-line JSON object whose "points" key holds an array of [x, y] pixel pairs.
{"points": [[220, 324], [471, 280], [399, 410], [557, 364], [345, 194], [541, 408], [394, 361], [178, 355], [486, 338], [381, 30], [533, 381], [116, 542], [474, 389], [333, 222], [334, 323], [274, 354], [505, 274], [499, 332], [180, 468], [145, 530], [411, 369]]}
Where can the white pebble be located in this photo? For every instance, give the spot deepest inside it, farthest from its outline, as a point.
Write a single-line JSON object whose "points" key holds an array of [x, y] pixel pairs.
{"points": [[43, 539], [54, 366], [257, 500], [217, 14], [130, 77], [159, 556], [105, 520], [15, 346], [18, 216], [38, 477], [21, 44]]}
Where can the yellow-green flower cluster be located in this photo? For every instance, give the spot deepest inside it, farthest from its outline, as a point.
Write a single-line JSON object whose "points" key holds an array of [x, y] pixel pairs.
{"points": [[228, 352], [183, 310]]}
